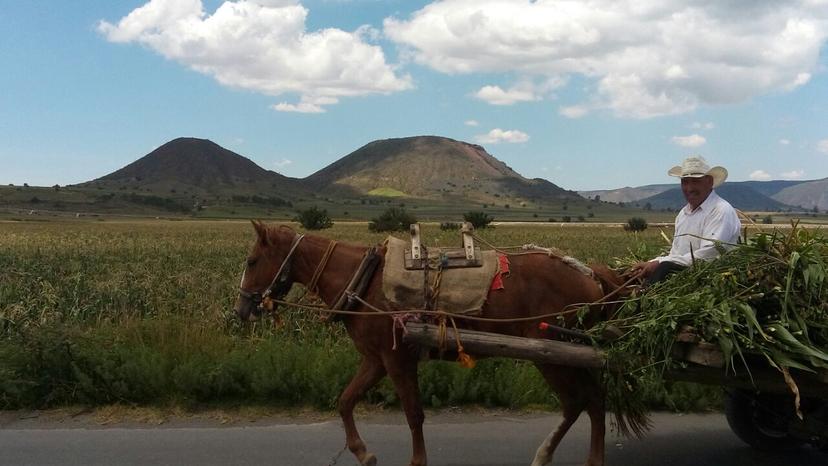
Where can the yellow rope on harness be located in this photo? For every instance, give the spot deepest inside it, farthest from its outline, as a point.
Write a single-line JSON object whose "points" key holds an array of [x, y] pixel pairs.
{"points": [[462, 357]]}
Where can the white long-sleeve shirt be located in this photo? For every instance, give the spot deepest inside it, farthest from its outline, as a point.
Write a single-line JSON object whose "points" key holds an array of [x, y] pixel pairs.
{"points": [[714, 220]]}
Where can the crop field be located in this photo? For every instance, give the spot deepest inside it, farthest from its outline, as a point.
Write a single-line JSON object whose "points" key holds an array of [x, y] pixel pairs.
{"points": [[139, 313]]}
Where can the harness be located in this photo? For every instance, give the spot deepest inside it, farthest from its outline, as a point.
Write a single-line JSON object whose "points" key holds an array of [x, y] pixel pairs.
{"points": [[348, 298], [279, 286]]}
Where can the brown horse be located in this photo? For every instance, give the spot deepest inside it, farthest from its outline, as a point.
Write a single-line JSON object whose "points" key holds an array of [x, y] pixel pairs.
{"points": [[538, 284]]}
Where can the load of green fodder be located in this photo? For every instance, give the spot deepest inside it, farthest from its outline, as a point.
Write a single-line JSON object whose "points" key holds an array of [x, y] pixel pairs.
{"points": [[763, 302]]}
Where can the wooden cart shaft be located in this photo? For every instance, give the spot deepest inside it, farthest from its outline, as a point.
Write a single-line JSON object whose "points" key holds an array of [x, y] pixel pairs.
{"points": [[705, 364]]}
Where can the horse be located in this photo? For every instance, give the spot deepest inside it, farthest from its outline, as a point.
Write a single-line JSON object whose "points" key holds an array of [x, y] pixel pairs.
{"points": [[538, 284]]}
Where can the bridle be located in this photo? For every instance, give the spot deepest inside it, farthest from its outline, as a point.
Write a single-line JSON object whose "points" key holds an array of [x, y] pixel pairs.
{"points": [[278, 287]]}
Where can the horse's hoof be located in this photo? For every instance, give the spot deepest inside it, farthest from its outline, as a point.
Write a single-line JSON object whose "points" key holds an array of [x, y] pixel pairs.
{"points": [[369, 460]]}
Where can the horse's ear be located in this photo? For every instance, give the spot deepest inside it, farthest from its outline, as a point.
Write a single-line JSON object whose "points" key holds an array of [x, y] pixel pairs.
{"points": [[261, 230]]}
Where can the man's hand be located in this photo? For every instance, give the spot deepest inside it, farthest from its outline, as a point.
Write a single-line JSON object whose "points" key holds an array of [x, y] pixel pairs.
{"points": [[644, 269]]}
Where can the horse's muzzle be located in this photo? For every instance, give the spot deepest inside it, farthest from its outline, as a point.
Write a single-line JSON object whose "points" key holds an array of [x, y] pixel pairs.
{"points": [[247, 309]]}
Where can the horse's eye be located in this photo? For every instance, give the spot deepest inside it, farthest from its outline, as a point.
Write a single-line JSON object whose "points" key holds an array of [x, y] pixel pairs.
{"points": [[251, 261]]}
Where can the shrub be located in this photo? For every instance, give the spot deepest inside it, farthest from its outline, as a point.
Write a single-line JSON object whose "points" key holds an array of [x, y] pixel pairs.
{"points": [[314, 219], [478, 219], [566, 218], [767, 220], [636, 224], [449, 226], [393, 219]]}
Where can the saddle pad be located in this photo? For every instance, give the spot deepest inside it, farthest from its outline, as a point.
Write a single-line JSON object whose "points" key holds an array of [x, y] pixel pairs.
{"points": [[462, 290]]}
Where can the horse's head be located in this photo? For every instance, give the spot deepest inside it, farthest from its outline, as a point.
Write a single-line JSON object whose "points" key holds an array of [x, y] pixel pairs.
{"points": [[267, 270]]}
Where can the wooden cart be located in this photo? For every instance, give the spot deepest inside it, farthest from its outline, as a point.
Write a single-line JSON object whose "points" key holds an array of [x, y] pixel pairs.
{"points": [[759, 406]]}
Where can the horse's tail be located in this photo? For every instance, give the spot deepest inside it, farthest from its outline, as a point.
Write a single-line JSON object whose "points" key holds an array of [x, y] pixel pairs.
{"points": [[629, 411]]}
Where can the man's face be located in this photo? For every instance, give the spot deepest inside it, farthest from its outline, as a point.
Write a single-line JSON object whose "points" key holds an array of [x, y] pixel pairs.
{"points": [[696, 190]]}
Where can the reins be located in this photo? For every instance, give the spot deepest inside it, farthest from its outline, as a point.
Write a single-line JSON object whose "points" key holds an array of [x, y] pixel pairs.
{"points": [[378, 312]]}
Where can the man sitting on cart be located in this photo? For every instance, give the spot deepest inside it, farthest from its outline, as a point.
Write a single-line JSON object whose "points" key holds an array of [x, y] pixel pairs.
{"points": [[705, 220]]}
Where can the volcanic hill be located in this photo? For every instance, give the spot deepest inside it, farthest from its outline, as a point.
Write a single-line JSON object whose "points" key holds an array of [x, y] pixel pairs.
{"points": [[198, 166], [430, 167]]}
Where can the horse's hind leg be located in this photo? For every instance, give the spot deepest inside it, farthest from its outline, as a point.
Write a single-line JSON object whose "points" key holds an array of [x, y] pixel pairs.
{"points": [[577, 391], [402, 369], [597, 415], [369, 373]]}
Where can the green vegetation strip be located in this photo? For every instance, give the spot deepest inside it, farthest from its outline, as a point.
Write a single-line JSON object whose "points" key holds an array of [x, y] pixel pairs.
{"points": [[139, 313]]}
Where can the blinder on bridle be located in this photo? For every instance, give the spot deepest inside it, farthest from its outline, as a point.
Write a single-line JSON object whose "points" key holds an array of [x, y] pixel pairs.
{"points": [[279, 286]]}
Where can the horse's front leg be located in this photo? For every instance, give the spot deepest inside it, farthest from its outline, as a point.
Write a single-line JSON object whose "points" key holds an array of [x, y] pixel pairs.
{"points": [[369, 373], [402, 369]]}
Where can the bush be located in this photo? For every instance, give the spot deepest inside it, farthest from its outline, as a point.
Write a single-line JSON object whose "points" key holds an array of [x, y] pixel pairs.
{"points": [[478, 219], [636, 224], [314, 219], [448, 226], [566, 219], [393, 219], [767, 220]]}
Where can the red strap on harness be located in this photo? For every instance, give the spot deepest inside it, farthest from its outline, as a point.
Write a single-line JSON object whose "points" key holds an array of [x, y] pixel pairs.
{"points": [[503, 270]]}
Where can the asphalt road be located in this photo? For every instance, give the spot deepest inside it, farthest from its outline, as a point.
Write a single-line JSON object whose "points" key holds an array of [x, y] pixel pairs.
{"points": [[501, 439]]}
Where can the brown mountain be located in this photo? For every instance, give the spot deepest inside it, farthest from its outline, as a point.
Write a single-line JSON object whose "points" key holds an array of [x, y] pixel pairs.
{"points": [[429, 167], [197, 165]]}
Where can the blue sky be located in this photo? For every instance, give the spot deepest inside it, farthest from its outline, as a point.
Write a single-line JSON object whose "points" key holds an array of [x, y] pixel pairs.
{"points": [[589, 95]]}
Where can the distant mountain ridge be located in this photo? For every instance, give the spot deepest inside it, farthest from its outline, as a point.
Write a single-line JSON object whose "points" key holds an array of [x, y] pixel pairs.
{"points": [[739, 196], [432, 168], [744, 195]]}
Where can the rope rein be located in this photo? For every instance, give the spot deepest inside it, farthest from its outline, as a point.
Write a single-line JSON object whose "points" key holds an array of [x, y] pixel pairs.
{"points": [[375, 311], [526, 249]]}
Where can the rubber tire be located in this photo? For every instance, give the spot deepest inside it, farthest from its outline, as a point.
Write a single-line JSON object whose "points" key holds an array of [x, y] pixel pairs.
{"points": [[749, 421]]}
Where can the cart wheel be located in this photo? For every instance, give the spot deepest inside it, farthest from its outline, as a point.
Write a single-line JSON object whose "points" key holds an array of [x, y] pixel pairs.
{"points": [[761, 420]]}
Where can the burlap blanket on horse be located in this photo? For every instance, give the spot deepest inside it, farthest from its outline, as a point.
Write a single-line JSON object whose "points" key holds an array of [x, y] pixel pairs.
{"points": [[461, 291]]}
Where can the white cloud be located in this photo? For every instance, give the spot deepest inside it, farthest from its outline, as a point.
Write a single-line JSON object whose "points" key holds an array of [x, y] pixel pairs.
{"points": [[471, 123], [793, 175], [525, 90], [822, 146], [301, 107], [784, 142], [282, 163], [699, 125], [263, 46], [497, 96], [694, 140], [760, 175], [645, 59], [498, 135], [574, 111]]}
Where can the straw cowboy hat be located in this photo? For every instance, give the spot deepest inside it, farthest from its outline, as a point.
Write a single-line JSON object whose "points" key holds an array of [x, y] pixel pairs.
{"points": [[696, 167]]}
